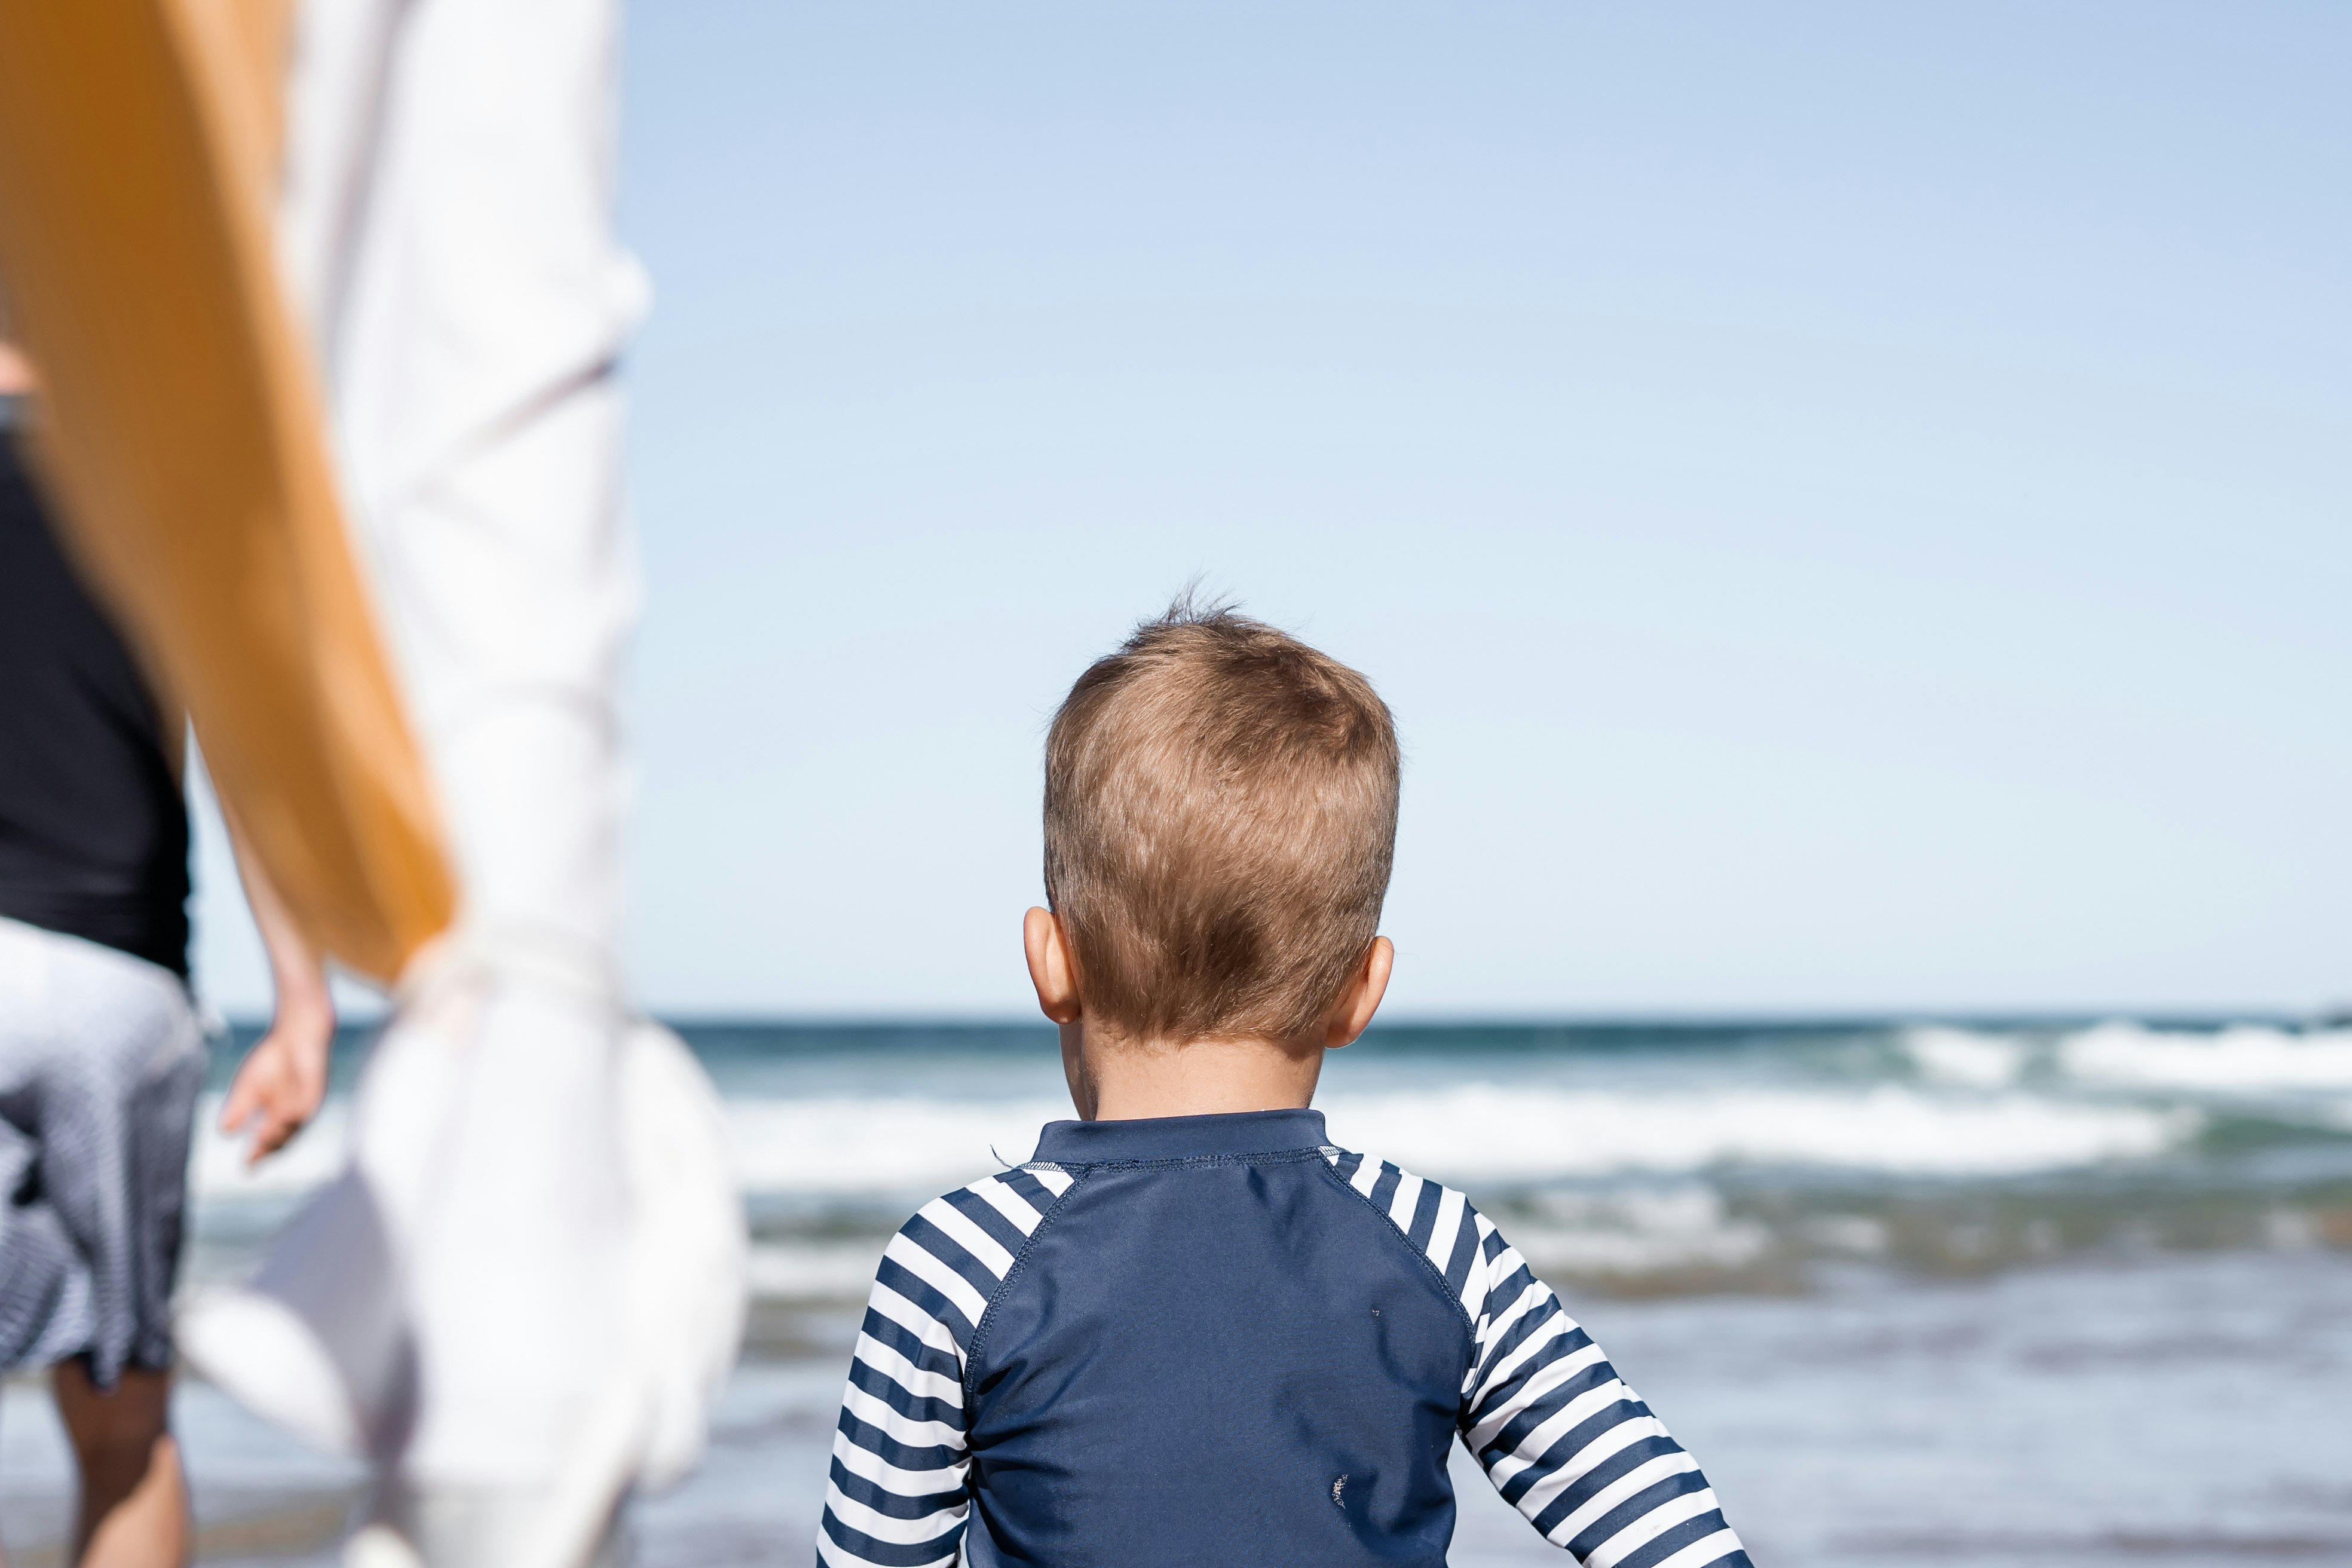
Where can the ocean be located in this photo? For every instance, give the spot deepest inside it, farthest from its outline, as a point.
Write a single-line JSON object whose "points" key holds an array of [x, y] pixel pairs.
{"points": [[2009, 1291]]}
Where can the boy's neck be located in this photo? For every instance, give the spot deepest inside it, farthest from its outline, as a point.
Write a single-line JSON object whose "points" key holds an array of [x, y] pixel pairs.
{"points": [[1117, 1079]]}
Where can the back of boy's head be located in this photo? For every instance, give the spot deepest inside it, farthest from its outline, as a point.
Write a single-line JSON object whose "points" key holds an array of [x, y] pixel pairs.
{"points": [[1221, 805]]}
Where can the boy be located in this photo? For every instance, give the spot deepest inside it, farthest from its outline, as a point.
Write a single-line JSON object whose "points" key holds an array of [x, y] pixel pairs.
{"points": [[1191, 1331]]}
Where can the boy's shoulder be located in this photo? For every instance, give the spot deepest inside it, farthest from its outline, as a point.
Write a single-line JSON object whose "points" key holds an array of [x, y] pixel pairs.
{"points": [[950, 1259], [1436, 1222], [947, 1260]]}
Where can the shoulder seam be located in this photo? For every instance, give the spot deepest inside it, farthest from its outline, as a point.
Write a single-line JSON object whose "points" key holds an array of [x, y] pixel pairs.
{"points": [[979, 1330], [1429, 1270]]}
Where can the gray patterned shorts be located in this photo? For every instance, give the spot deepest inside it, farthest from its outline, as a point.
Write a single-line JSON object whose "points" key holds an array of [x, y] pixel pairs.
{"points": [[101, 1060]]}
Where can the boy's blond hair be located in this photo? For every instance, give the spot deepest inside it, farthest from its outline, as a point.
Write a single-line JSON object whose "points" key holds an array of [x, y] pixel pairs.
{"points": [[1221, 805]]}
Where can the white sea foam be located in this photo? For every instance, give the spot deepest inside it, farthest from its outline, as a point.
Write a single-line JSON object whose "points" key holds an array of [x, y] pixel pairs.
{"points": [[1964, 1056], [818, 1145], [814, 1270], [843, 1145], [1638, 1230], [1555, 1252], [1490, 1132], [857, 1144], [2244, 1058]]}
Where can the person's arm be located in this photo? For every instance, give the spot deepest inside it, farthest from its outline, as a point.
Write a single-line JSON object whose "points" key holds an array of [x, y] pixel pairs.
{"points": [[1567, 1444], [898, 1496], [283, 1078]]}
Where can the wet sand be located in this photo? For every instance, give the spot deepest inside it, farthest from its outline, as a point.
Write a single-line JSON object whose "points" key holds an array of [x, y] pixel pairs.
{"points": [[2183, 1411], [2187, 1411]]}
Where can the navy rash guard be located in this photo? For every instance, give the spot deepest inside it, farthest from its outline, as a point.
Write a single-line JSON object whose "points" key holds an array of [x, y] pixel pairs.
{"points": [[1220, 1340]]}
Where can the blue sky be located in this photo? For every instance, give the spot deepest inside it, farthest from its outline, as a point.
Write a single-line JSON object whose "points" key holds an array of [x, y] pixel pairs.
{"points": [[1849, 504]]}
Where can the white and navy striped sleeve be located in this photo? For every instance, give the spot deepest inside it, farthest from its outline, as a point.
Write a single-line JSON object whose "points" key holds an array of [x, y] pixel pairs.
{"points": [[897, 1497], [1548, 1418]]}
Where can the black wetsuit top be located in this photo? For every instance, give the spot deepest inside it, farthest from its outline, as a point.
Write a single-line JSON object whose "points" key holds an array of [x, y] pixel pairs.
{"points": [[93, 827]]}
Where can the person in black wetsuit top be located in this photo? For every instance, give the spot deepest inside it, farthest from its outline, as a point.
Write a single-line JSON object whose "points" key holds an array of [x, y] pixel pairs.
{"points": [[100, 1055], [93, 829]]}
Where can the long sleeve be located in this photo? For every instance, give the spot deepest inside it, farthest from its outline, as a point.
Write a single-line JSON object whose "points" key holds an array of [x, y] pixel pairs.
{"points": [[1567, 1442], [896, 1498], [899, 1494]]}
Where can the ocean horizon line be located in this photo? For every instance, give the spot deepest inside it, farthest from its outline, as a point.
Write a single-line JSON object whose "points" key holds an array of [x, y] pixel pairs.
{"points": [[1598, 1021]]}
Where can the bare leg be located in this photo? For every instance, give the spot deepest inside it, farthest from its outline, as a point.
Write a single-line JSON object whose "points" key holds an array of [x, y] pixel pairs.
{"points": [[133, 1510]]}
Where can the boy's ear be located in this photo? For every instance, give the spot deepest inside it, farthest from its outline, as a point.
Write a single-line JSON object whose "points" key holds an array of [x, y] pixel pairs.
{"points": [[1361, 999], [1050, 969]]}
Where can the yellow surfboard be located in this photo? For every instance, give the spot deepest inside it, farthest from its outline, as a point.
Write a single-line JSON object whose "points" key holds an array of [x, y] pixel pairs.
{"points": [[179, 430]]}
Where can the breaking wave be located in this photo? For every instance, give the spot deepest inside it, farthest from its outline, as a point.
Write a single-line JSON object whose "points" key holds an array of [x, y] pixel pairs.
{"points": [[1488, 1132], [1479, 1132], [2245, 1058]]}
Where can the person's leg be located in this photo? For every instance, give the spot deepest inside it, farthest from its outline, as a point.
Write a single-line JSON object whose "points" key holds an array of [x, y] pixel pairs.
{"points": [[100, 1057], [474, 376], [449, 226], [133, 1511]]}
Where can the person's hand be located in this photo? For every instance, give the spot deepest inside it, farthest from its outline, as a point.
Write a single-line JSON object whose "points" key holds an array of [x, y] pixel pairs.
{"points": [[15, 371], [280, 1083], [283, 1080]]}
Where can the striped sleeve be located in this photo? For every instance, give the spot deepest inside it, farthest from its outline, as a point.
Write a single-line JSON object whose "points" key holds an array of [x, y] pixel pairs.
{"points": [[898, 1496], [1548, 1418]]}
